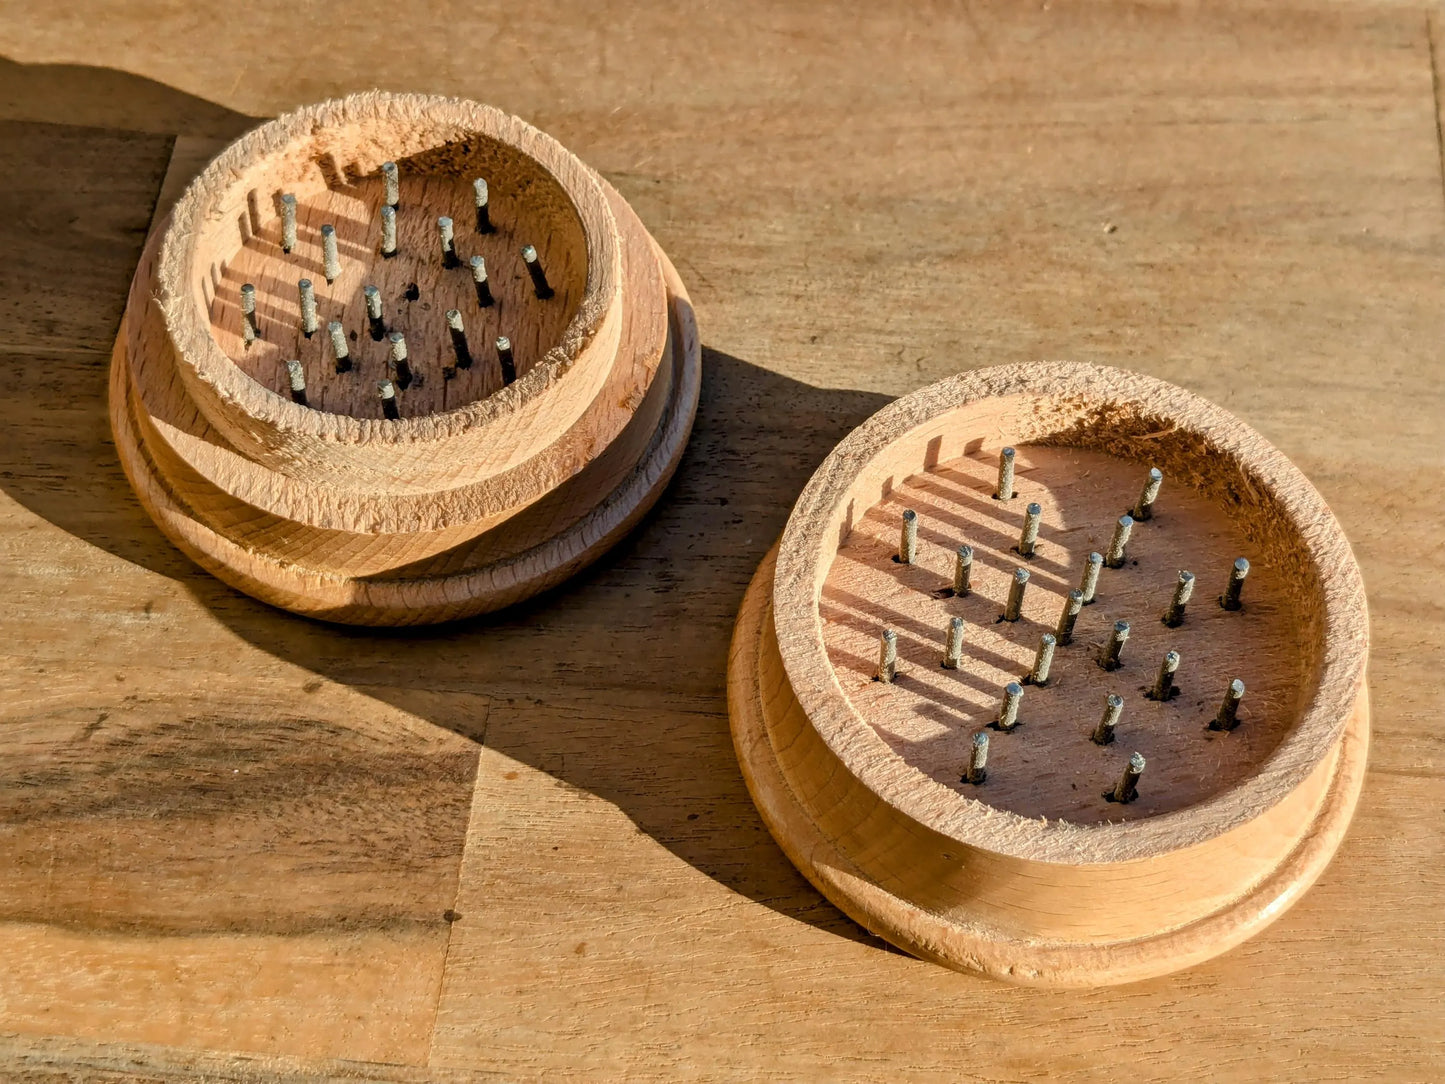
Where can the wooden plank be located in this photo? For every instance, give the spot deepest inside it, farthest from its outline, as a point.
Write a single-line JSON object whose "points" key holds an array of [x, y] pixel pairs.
{"points": [[863, 202], [80, 205]]}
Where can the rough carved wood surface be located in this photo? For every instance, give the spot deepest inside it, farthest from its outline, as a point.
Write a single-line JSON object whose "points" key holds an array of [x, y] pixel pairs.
{"points": [[522, 847]]}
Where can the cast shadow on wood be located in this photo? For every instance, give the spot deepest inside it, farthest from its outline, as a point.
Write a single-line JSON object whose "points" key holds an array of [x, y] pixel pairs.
{"points": [[635, 648]]}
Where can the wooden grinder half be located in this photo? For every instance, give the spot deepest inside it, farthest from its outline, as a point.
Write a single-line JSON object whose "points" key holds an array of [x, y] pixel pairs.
{"points": [[398, 359], [1130, 812]]}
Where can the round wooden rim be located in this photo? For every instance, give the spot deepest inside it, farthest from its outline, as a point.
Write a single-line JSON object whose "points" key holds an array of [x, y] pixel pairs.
{"points": [[189, 327], [468, 593], [958, 942], [807, 545]]}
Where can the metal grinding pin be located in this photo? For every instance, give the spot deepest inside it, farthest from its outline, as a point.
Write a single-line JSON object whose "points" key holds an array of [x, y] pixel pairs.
{"points": [[449, 248], [399, 363], [953, 650], [1008, 712], [1029, 536], [308, 307], [297, 376], [962, 570], [1144, 507], [288, 222], [1005, 490], [1113, 708], [1228, 717], [373, 313], [1089, 584], [330, 261], [908, 538], [388, 232], [534, 268], [505, 360], [479, 279], [1110, 654], [1230, 599], [1164, 689], [1174, 616], [1015, 605], [339, 348], [459, 343], [978, 759], [249, 331], [391, 185], [387, 391], [1064, 633], [887, 656], [1043, 659], [1128, 787], [1119, 544], [479, 192]]}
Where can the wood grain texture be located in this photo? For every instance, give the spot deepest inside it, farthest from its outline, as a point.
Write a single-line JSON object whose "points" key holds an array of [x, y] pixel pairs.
{"points": [[1024, 876], [457, 506], [1273, 176]]}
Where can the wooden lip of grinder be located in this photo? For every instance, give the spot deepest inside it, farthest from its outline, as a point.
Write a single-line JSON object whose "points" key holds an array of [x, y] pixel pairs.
{"points": [[397, 359], [983, 708]]}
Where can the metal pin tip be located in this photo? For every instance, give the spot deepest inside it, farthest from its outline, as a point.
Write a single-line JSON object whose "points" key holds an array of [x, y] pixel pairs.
{"points": [[328, 231], [1236, 689], [288, 198], [1021, 575], [955, 623], [1007, 453], [503, 343], [1155, 474], [444, 222], [385, 388], [479, 190], [334, 327], [1035, 509], [396, 337], [980, 740], [297, 374], [966, 552], [1241, 566], [370, 291], [909, 515], [1114, 700], [1008, 714], [1136, 762], [478, 265], [529, 254], [454, 316]]}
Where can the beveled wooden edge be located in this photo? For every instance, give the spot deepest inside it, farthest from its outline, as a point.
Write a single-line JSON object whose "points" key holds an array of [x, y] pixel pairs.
{"points": [[972, 945], [236, 392], [339, 504], [419, 601], [808, 544]]}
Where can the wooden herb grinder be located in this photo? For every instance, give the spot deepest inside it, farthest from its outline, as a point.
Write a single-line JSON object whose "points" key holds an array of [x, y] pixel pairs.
{"points": [[398, 359], [1058, 674]]}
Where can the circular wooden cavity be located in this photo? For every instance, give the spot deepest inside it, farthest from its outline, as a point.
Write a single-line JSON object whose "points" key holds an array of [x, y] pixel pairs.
{"points": [[507, 466], [1035, 872]]}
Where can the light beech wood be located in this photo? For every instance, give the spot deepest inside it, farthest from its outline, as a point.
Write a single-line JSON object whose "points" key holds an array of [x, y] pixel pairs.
{"points": [[1034, 875], [1273, 175], [480, 493]]}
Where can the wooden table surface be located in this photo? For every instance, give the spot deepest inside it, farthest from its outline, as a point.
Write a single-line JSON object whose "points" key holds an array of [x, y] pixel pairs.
{"points": [[238, 845]]}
